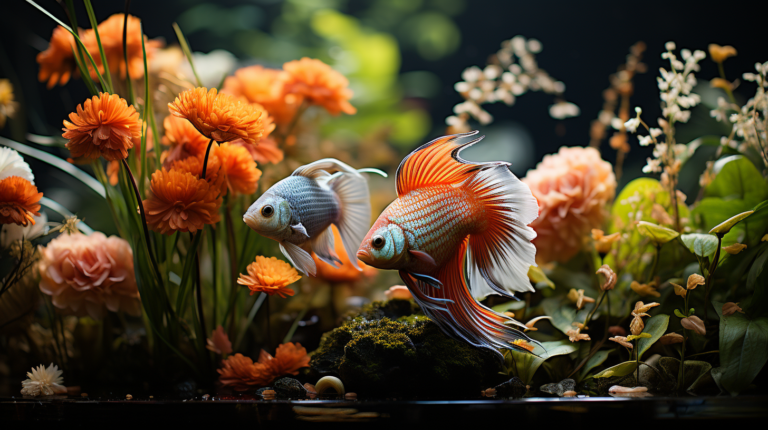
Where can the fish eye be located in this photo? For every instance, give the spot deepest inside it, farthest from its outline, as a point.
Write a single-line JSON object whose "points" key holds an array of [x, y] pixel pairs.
{"points": [[267, 211], [378, 241]]}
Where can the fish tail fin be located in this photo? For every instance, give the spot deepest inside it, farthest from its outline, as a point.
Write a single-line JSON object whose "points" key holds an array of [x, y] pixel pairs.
{"points": [[458, 314], [499, 257], [355, 217]]}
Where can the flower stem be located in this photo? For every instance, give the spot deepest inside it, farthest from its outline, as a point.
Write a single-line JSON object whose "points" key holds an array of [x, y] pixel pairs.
{"points": [[681, 373], [205, 160], [269, 329], [200, 295], [710, 278], [637, 363], [597, 305], [143, 220], [722, 75]]}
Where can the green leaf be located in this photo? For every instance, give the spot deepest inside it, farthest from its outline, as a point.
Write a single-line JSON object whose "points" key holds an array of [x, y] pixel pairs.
{"points": [[695, 375], [737, 179], [536, 275], [512, 305], [638, 336], [691, 311], [654, 328], [703, 245], [726, 226], [657, 233], [594, 361], [562, 312], [679, 314], [622, 369], [529, 364], [743, 348]]}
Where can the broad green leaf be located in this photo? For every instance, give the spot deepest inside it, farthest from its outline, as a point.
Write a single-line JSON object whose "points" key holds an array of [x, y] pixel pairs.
{"points": [[743, 348], [622, 369], [594, 361], [703, 245], [563, 313], [657, 233], [737, 179], [757, 279], [536, 275], [526, 365], [695, 374], [654, 328], [512, 305], [726, 226]]}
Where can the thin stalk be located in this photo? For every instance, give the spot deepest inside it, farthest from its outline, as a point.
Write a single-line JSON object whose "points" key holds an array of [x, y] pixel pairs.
{"points": [[710, 278], [597, 305], [187, 52], [637, 363], [205, 160], [269, 328], [295, 120], [252, 314], [143, 221], [233, 264], [299, 317], [128, 82], [95, 26], [681, 373], [214, 257], [727, 89]]}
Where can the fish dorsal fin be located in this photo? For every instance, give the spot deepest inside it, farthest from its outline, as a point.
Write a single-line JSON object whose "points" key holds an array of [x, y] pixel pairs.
{"points": [[322, 168], [434, 163]]}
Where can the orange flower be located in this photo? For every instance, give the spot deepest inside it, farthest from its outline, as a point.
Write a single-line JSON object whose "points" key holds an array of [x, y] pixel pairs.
{"points": [[89, 274], [19, 201], [57, 63], [104, 125], [179, 201], [604, 243], [183, 138], [573, 188], [721, 53], [239, 169], [241, 373], [219, 342], [288, 359], [318, 84], [345, 272], [213, 174], [267, 88], [111, 34], [219, 116], [266, 151], [269, 275], [522, 343]]}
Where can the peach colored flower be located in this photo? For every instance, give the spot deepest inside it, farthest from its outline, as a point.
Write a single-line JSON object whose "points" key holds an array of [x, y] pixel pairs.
{"points": [[19, 201], [529, 326], [721, 53], [735, 248], [219, 341], [694, 323], [609, 275], [344, 272], [731, 308], [398, 292], [671, 339], [267, 88], [578, 298], [679, 290], [184, 140], [604, 243], [57, 63], [645, 290], [103, 126], [575, 335], [695, 280], [88, 275], [111, 34], [241, 373], [522, 343], [238, 168], [219, 116], [621, 340], [641, 307], [179, 201], [318, 84], [573, 188], [266, 151], [271, 276], [288, 359]]}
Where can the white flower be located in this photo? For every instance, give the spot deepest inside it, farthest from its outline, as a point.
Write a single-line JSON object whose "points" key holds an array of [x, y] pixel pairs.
{"points": [[534, 46], [632, 124], [472, 74], [670, 46], [43, 382], [653, 166], [645, 140], [638, 110], [13, 232], [11, 164], [749, 77], [562, 110], [655, 132]]}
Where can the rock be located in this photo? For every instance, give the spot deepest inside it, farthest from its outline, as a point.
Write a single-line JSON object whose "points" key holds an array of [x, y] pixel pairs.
{"points": [[514, 388], [559, 388], [260, 391], [407, 357], [289, 388]]}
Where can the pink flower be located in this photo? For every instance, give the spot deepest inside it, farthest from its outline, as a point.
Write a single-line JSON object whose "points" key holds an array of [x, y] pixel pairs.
{"points": [[573, 188], [219, 341], [88, 274]]}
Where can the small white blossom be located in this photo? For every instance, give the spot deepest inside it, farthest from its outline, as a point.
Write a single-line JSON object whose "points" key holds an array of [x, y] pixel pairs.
{"points": [[632, 124], [653, 166], [43, 381], [670, 46], [655, 132], [562, 110], [645, 140]]}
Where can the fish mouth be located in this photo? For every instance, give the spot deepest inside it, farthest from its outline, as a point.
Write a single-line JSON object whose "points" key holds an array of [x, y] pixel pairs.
{"points": [[250, 222], [364, 256]]}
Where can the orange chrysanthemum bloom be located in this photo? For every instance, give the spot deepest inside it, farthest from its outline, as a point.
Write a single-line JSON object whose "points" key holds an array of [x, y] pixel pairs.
{"points": [[183, 138], [269, 275], [179, 201], [241, 373], [18, 201], [111, 34], [239, 169], [318, 84], [213, 174], [267, 88], [103, 126], [266, 151], [288, 359], [345, 272], [219, 116], [57, 63]]}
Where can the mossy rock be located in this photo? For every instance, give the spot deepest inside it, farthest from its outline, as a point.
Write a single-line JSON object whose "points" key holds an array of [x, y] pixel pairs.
{"points": [[407, 357]]}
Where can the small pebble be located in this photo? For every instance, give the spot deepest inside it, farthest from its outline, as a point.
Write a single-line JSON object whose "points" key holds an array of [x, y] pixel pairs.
{"points": [[83, 394], [128, 396], [269, 394], [351, 396], [570, 394]]}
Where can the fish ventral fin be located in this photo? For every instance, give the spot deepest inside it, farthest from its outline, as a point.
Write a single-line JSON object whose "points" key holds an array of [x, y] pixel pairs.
{"points": [[323, 247], [300, 258], [498, 259], [436, 163], [300, 228]]}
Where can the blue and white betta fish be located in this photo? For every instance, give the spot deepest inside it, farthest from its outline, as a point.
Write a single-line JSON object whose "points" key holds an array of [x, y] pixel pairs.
{"points": [[299, 210]]}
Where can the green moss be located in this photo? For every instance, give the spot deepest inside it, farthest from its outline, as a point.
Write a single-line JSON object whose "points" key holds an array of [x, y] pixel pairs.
{"points": [[410, 356]]}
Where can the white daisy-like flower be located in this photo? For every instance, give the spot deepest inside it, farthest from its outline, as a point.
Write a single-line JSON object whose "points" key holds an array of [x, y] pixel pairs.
{"points": [[670, 46], [632, 124], [655, 132], [645, 140], [43, 381], [11, 164], [653, 166], [562, 110]]}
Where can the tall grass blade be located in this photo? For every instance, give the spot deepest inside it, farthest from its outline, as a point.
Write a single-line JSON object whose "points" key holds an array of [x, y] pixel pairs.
{"points": [[95, 26], [187, 52]]}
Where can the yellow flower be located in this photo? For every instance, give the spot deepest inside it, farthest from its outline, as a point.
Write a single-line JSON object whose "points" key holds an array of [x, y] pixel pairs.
{"points": [[7, 104], [695, 280], [720, 83], [644, 289], [522, 343], [269, 275], [604, 243], [735, 248], [575, 335], [578, 297], [721, 53], [621, 340]]}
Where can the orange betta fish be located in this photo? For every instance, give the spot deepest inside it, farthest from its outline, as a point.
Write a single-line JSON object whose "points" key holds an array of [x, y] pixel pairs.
{"points": [[452, 219]]}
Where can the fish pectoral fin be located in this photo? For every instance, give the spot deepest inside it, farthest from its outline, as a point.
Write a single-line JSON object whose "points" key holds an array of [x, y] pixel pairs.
{"points": [[423, 257], [300, 258], [300, 228], [323, 247]]}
